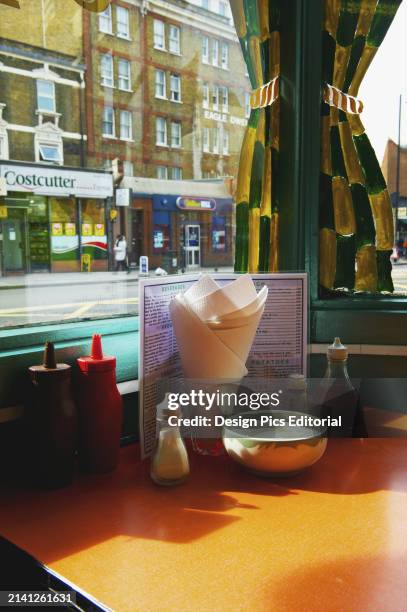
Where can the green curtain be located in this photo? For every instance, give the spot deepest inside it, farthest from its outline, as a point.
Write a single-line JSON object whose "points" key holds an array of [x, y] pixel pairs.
{"points": [[356, 221], [257, 26]]}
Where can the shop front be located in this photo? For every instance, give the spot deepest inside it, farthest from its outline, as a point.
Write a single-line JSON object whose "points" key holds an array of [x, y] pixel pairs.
{"points": [[53, 219]]}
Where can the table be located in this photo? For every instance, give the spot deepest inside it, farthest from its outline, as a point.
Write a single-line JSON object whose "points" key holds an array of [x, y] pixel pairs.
{"points": [[332, 538]]}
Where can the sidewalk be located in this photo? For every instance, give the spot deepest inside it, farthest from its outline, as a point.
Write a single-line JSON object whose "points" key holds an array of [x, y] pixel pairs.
{"points": [[49, 279]]}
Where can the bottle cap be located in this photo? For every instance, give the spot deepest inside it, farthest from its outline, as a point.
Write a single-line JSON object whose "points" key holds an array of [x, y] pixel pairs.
{"points": [[49, 365], [96, 361], [337, 351]]}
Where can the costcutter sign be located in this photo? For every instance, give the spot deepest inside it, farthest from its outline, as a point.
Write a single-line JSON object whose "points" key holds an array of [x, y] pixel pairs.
{"points": [[187, 203], [50, 181]]}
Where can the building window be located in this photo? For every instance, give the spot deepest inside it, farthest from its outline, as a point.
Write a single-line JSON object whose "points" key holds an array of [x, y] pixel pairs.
{"points": [[205, 50], [161, 131], [126, 125], [225, 55], [205, 95], [162, 172], [46, 96], [3, 148], [215, 98], [176, 174], [247, 105], [205, 140], [222, 8], [160, 84], [124, 74], [215, 140], [108, 121], [175, 40], [105, 21], [175, 88], [50, 153], [128, 169], [215, 52], [159, 34], [225, 147], [106, 70], [122, 22], [205, 4], [175, 134], [225, 100]]}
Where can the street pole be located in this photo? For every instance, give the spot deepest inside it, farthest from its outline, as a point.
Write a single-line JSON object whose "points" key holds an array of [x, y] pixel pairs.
{"points": [[398, 173]]}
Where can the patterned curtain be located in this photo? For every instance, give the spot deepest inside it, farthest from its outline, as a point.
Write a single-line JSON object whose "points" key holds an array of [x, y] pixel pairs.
{"points": [[257, 25], [356, 220]]}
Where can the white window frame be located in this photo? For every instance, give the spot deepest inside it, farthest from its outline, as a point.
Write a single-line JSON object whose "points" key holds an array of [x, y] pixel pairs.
{"points": [[128, 168], [129, 126], [124, 82], [125, 33], [215, 52], [215, 140], [215, 97], [107, 80], [225, 142], [205, 50], [165, 173], [224, 55], [225, 99], [105, 134], [106, 17], [247, 105], [4, 150], [205, 140], [51, 97], [176, 134], [223, 12], [179, 171], [175, 92], [161, 35], [174, 43], [205, 95], [164, 141], [160, 85], [50, 145]]}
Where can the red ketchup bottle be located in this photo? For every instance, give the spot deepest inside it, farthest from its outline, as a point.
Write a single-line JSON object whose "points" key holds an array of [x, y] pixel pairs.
{"points": [[99, 410]]}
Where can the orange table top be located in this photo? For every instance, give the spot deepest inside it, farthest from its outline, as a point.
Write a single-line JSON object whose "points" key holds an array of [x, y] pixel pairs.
{"points": [[332, 538]]}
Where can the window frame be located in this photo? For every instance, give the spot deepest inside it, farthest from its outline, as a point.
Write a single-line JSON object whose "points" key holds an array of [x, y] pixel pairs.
{"points": [[224, 64], [225, 98], [105, 134], [129, 114], [121, 61], [123, 10], [176, 178], [225, 135], [215, 140], [215, 56], [206, 144], [215, 105], [52, 145], [155, 34], [174, 75], [109, 18], [103, 58], [178, 136], [205, 95], [205, 46], [163, 84], [177, 28], [53, 97], [164, 143], [166, 173]]}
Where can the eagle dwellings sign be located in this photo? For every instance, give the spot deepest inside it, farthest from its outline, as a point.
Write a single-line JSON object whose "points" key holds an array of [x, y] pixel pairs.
{"points": [[55, 181]]}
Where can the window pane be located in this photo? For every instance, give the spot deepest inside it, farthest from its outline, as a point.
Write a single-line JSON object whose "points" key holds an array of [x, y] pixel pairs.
{"points": [[122, 17], [175, 134], [162, 172], [205, 49], [215, 52], [161, 131], [159, 34], [125, 125], [175, 88], [160, 84], [225, 55], [124, 74], [176, 174], [105, 20], [49, 153], [175, 39], [46, 95], [106, 70], [108, 121]]}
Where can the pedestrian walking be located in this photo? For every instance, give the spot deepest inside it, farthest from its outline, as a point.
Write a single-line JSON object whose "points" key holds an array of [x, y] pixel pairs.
{"points": [[120, 253]]}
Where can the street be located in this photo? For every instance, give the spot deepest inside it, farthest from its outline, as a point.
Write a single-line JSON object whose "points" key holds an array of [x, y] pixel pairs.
{"points": [[67, 297]]}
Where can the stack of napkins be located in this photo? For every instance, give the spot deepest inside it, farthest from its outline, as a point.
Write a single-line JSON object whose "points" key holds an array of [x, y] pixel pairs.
{"points": [[215, 326]]}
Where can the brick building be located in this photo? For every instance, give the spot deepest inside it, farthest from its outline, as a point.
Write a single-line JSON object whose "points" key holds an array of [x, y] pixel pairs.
{"points": [[393, 158]]}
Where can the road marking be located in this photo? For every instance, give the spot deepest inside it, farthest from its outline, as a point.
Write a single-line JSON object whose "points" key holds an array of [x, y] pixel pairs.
{"points": [[32, 309], [79, 311]]}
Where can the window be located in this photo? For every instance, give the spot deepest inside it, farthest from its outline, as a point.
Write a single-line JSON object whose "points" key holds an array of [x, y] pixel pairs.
{"points": [[122, 22], [205, 140], [175, 38], [176, 174], [215, 140], [4, 153], [124, 74], [161, 131], [175, 88], [205, 95], [162, 172], [205, 50], [225, 148], [106, 70], [160, 84], [159, 34], [175, 134], [247, 105], [46, 96], [126, 125], [215, 98], [222, 8], [128, 169], [225, 55], [225, 99], [50, 153], [105, 21], [215, 52], [205, 4], [108, 121]]}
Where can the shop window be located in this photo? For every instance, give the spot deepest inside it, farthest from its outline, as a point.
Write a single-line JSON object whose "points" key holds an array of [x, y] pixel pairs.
{"points": [[205, 49], [105, 21], [205, 95], [160, 87], [45, 96], [225, 56], [176, 174], [247, 105], [175, 40], [225, 99], [126, 131], [161, 231], [106, 70], [161, 131], [205, 139], [38, 234], [176, 139], [50, 153], [122, 22], [225, 149], [128, 169], [124, 74], [108, 121], [162, 172], [219, 234], [159, 35], [215, 52], [175, 88]]}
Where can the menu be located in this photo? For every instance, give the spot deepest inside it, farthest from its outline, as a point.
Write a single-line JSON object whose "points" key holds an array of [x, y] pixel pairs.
{"points": [[279, 347]]}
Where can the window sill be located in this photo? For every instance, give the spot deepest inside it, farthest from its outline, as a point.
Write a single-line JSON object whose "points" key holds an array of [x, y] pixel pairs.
{"points": [[107, 86], [160, 144], [161, 98], [126, 90], [109, 136], [163, 49], [175, 53], [126, 139], [107, 33], [176, 101], [122, 37]]}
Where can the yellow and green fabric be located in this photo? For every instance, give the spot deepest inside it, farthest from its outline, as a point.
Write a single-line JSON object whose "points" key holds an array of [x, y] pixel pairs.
{"points": [[356, 220], [257, 26]]}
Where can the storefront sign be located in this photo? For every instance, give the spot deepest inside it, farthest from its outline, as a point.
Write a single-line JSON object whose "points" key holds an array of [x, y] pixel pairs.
{"points": [[70, 229], [208, 205], [223, 117], [57, 229], [122, 197], [87, 229], [99, 229], [47, 181]]}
